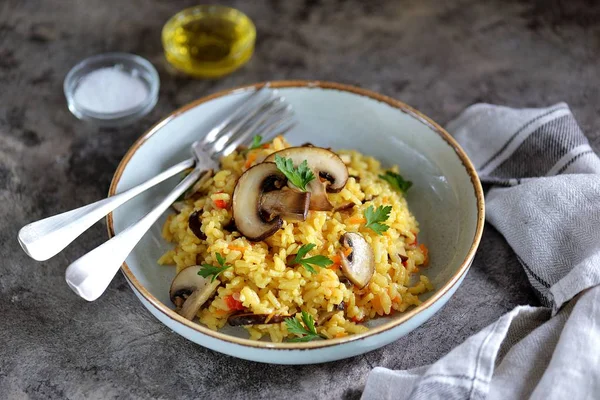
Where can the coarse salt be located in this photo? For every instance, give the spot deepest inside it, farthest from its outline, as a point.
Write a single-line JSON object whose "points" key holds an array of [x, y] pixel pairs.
{"points": [[110, 90]]}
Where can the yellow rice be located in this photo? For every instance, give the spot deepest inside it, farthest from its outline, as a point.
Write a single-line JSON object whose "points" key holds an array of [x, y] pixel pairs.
{"points": [[259, 277]]}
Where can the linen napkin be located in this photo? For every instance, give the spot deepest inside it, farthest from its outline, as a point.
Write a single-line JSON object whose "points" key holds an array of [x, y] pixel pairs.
{"points": [[544, 198]]}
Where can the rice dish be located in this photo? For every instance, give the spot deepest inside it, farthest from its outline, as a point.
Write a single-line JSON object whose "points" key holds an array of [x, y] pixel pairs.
{"points": [[259, 279]]}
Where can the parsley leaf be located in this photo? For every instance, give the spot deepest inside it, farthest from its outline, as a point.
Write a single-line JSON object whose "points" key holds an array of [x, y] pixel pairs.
{"points": [[308, 330], [320, 261], [376, 217], [207, 270], [300, 176], [256, 142], [396, 181]]}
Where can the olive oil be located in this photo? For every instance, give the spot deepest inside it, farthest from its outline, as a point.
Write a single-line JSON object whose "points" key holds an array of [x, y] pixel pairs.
{"points": [[208, 41]]}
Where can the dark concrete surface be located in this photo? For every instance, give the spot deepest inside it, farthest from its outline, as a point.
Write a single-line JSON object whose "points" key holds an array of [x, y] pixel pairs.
{"points": [[437, 56]]}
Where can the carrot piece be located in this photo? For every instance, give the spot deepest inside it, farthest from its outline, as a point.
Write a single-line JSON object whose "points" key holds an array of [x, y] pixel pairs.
{"points": [[251, 158], [269, 317], [341, 334], [357, 220], [376, 303], [236, 248], [348, 251], [337, 260]]}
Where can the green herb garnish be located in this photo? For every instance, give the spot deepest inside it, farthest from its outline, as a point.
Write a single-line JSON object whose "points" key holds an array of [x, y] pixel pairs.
{"points": [[256, 142], [320, 261], [308, 330], [396, 181], [375, 217], [207, 270], [300, 176]]}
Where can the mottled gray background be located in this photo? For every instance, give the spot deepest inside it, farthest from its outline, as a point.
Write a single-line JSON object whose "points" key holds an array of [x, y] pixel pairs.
{"points": [[437, 56]]}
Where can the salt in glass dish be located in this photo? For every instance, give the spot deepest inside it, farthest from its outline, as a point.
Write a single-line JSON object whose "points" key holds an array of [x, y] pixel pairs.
{"points": [[136, 66]]}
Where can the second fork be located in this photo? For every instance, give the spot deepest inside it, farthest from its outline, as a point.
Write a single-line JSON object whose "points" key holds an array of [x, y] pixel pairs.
{"points": [[264, 111]]}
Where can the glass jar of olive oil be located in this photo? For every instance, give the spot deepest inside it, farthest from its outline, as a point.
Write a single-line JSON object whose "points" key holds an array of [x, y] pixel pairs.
{"points": [[208, 41]]}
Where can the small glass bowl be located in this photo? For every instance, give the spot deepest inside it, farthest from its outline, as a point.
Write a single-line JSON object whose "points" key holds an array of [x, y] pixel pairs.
{"points": [[130, 63], [192, 34]]}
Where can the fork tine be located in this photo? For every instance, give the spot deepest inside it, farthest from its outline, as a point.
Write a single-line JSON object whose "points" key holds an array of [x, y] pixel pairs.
{"points": [[216, 132], [278, 127], [241, 126], [265, 126], [280, 131], [271, 110], [232, 131]]}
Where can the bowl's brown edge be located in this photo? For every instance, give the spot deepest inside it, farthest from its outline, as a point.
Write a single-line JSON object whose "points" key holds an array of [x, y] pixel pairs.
{"points": [[330, 342]]}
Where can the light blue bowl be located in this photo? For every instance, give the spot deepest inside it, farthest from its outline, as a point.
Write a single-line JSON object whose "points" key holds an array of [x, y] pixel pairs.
{"points": [[446, 199]]}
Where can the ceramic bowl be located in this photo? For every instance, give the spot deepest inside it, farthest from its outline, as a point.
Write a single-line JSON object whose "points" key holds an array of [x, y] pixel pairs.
{"points": [[446, 199]]}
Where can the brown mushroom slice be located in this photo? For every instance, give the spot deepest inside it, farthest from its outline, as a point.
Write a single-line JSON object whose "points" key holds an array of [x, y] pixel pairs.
{"points": [[346, 207], [318, 196], [325, 164], [399, 256], [285, 203], [198, 185], [327, 315], [247, 196], [190, 291], [359, 265], [255, 319], [195, 225]]}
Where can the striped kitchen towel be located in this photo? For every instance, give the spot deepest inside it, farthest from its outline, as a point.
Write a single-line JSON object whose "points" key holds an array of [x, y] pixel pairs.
{"points": [[544, 198]]}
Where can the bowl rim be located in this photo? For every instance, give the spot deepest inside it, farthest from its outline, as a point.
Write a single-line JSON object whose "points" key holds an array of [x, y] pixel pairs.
{"points": [[470, 169]]}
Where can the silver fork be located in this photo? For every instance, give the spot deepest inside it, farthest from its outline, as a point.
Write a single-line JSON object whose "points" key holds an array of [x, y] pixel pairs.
{"points": [[264, 112]]}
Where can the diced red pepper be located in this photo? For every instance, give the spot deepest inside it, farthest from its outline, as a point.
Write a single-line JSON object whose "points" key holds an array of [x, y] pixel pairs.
{"points": [[356, 320], [222, 204], [233, 304]]}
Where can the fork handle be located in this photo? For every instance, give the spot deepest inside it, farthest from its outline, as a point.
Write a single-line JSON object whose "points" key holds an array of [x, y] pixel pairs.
{"points": [[46, 238], [90, 275]]}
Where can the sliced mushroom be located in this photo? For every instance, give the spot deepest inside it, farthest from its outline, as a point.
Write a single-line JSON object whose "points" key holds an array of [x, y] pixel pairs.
{"points": [[285, 203], [255, 319], [258, 208], [327, 315], [178, 205], [345, 281], [189, 291], [195, 225], [198, 185], [399, 256], [346, 207], [318, 193], [359, 265], [324, 164]]}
